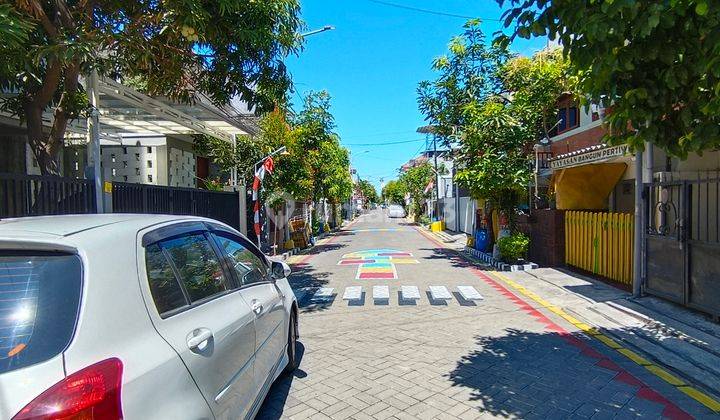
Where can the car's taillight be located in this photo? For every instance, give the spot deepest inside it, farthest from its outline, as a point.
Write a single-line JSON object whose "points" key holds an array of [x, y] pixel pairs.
{"points": [[90, 393]]}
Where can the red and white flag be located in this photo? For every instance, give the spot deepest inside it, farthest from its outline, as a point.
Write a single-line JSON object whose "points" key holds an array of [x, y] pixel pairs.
{"points": [[267, 167], [429, 187]]}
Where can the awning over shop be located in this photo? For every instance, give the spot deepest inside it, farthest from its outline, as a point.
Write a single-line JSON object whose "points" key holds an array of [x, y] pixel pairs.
{"points": [[586, 187]]}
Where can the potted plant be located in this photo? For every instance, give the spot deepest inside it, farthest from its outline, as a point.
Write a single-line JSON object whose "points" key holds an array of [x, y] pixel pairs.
{"points": [[513, 248]]}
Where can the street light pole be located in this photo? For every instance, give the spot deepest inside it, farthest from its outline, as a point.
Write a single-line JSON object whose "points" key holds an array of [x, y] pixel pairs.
{"points": [[317, 31]]}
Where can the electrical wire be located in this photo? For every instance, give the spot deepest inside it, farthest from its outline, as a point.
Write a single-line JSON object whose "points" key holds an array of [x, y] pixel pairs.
{"points": [[431, 12], [378, 134], [383, 143]]}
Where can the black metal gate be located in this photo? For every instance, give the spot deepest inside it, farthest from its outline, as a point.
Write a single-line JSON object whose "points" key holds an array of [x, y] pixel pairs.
{"points": [[683, 243], [34, 195], [141, 198]]}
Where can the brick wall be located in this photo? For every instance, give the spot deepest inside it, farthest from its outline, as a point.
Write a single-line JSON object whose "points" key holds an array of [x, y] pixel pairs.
{"points": [[578, 141], [546, 229]]}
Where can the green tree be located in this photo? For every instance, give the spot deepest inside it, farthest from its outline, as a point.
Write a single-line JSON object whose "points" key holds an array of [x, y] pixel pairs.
{"points": [[492, 158], [394, 192], [326, 161], [290, 174], [415, 180], [223, 48], [655, 63], [492, 107], [468, 74], [368, 191]]}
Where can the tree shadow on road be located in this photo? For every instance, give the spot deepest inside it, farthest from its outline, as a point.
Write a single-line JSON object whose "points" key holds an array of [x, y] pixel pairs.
{"points": [[304, 276], [272, 407], [450, 255], [319, 249], [538, 375], [344, 233], [305, 280]]}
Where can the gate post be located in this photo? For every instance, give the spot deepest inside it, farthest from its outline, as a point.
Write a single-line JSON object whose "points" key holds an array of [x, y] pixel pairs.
{"points": [[639, 224]]}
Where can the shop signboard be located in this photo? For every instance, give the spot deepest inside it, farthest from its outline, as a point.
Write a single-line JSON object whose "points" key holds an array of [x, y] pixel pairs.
{"points": [[592, 156]]}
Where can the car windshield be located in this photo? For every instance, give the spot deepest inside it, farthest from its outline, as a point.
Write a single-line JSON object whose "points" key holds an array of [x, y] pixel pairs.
{"points": [[39, 300]]}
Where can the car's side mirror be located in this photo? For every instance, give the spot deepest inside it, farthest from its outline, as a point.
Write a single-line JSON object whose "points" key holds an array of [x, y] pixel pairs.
{"points": [[279, 270]]}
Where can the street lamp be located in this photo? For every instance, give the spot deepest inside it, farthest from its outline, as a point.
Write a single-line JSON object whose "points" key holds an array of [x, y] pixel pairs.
{"points": [[317, 31]]}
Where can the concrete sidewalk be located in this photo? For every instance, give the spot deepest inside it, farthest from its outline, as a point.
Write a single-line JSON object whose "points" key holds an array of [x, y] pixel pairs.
{"points": [[683, 342]]}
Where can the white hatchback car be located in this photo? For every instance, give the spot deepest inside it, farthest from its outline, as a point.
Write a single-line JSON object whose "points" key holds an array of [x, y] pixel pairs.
{"points": [[396, 211], [139, 317]]}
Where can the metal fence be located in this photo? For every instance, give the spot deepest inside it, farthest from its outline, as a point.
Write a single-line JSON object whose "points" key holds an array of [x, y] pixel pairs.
{"points": [[34, 195], [683, 242], [155, 199]]}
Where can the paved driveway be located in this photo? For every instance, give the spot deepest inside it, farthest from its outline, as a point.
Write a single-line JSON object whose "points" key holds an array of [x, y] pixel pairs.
{"points": [[498, 357]]}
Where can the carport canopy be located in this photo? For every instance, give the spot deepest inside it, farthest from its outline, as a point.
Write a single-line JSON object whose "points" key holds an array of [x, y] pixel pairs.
{"points": [[126, 111], [586, 187]]}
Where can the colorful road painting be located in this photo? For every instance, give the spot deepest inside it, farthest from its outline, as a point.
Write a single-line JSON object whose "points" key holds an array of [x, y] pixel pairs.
{"points": [[377, 263]]}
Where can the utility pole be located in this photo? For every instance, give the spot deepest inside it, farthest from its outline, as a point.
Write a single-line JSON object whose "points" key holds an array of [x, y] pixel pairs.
{"points": [[436, 207]]}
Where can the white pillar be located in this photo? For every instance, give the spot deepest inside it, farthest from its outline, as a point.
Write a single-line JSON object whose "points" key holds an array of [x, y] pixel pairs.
{"points": [[93, 127], [233, 170]]}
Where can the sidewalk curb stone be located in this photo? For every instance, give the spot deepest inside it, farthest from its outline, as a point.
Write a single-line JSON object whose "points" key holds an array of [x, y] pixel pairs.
{"points": [[488, 259]]}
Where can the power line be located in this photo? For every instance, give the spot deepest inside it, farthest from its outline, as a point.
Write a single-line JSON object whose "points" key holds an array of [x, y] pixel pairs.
{"points": [[384, 143], [378, 134], [431, 12]]}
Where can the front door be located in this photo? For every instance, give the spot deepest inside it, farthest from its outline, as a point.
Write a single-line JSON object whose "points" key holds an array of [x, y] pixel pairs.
{"points": [[264, 299], [202, 314]]}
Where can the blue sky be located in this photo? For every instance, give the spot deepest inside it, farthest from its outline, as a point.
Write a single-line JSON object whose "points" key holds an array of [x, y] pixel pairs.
{"points": [[371, 65]]}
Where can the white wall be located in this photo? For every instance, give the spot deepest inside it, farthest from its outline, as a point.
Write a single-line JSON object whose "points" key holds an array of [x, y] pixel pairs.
{"points": [[466, 216], [449, 214], [135, 164], [181, 168]]}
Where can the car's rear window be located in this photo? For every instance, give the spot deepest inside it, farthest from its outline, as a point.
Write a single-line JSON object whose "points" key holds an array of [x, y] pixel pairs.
{"points": [[39, 300]]}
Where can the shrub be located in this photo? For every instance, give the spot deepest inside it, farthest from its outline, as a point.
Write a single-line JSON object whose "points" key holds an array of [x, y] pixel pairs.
{"points": [[513, 247], [424, 220]]}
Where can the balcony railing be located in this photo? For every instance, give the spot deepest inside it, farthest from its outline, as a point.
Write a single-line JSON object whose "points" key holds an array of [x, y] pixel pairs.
{"points": [[543, 160]]}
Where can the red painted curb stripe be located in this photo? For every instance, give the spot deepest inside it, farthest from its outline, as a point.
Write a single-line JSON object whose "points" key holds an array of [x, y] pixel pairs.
{"points": [[671, 410]]}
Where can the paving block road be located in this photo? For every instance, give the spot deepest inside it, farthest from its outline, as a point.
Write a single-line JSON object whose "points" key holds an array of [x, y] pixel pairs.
{"points": [[499, 355]]}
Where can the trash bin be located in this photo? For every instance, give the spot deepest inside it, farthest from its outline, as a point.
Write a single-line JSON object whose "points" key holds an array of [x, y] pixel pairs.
{"points": [[482, 240]]}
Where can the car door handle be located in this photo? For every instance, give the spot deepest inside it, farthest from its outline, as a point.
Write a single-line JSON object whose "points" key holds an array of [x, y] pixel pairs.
{"points": [[198, 338], [257, 307]]}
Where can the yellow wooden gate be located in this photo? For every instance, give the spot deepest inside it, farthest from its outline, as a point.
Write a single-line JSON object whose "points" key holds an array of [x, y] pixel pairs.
{"points": [[601, 243]]}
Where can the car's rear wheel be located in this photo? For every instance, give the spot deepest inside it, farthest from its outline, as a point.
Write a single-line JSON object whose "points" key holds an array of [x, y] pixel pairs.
{"points": [[292, 345]]}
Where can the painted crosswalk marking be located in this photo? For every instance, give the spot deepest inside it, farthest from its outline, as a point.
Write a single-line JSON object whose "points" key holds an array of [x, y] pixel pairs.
{"points": [[410, 292], [440, 293], [469, 293], [381, 292], [323, 293], [352, 293]]}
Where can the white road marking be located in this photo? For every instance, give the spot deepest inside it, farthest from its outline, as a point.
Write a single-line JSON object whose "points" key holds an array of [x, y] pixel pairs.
{"points": [[352, 293], [323, 293], [440, 293], [469, 293], [410, 292], [381, 292]]}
